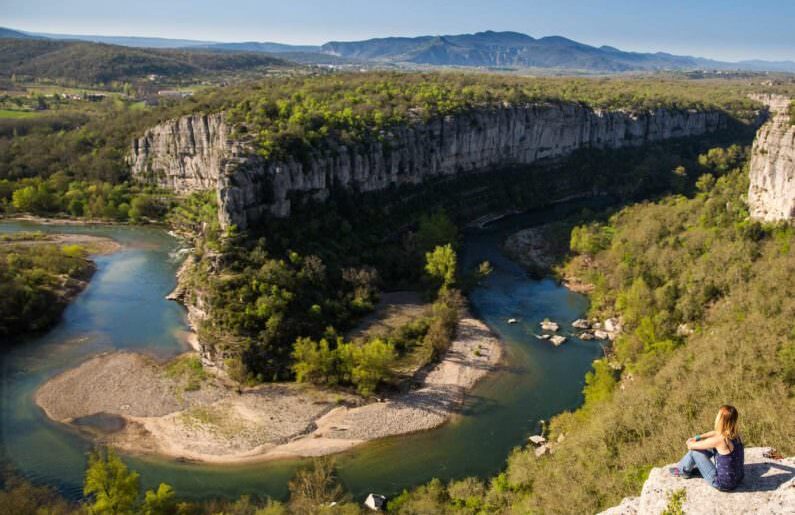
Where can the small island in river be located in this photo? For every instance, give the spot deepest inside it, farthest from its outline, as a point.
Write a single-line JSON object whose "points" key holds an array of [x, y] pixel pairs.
{"points": [[177, 410]]}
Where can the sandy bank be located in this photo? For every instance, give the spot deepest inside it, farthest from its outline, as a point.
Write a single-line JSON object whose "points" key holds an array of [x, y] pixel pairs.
{"points": [[165, 413]]}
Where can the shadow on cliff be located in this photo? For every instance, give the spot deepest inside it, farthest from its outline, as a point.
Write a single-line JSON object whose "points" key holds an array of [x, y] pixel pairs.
{"points": [[765, 477]]}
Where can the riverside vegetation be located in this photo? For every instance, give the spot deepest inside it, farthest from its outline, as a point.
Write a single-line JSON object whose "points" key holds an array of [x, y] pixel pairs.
{"points": [[37, 279]]}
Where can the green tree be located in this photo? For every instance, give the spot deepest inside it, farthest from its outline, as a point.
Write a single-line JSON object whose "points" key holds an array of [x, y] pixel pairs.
{"points": [[111, 486], [160, 502], [372, 363], [441, 264], [315, 486], [436, 229]]}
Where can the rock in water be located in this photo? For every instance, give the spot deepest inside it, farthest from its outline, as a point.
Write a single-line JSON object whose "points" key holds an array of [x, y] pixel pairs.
{"points": [[581, 323], [537, 440], [768, 488], [601, 335], [557, 340], [548, 325]]}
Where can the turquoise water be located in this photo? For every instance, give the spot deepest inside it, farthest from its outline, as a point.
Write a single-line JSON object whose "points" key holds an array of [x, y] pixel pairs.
{"points": [[124, 308]]}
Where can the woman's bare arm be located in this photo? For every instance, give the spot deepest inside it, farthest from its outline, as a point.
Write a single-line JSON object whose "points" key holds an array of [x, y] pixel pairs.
{"points": [[705, 443]]}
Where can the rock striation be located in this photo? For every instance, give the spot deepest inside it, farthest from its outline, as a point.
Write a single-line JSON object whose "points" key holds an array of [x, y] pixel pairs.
{"points": [[201, 151], [768, 488], [771, 194]]}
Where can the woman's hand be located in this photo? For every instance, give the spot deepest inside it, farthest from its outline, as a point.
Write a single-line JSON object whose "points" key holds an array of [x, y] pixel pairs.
{"points": [[690, 442]]}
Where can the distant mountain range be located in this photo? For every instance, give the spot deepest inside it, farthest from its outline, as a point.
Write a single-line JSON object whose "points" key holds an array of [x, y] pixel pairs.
{"points": [[483, 49]]}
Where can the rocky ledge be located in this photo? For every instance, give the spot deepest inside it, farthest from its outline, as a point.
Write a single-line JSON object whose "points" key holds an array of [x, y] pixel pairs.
{"points": [[768, 488]]}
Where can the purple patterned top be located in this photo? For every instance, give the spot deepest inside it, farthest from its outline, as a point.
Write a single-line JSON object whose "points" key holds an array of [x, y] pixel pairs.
{"points": [[730, 466]]}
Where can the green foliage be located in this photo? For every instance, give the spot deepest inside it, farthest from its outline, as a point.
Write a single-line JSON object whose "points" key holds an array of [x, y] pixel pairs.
{"points": [[599, 383], [113, 489], [590, 239], [159, 502], [435, 229], [90, 199], [35, 281], [441, 264], [675, 503], [315, 487], [188, 370], [364, 365]]}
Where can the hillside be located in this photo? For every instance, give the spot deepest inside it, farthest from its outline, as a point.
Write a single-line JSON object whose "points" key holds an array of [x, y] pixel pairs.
{"points": [[515, 50], [94, 62], [692, 339]]}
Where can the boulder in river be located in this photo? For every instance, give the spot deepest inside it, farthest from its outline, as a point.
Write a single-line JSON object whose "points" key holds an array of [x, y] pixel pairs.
{"points": [[585, 336], [557, 340], [537, 440], [581, 323], [512, 321], [601, 335], [548, 325]]}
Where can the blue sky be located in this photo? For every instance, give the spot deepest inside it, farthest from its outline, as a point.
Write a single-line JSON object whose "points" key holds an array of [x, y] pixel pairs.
{"points": [[722, 29]]}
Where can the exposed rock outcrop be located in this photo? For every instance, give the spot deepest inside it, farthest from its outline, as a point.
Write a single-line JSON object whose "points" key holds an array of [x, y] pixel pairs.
{"points": [[202, 152], [768, 488], [771, 195]]}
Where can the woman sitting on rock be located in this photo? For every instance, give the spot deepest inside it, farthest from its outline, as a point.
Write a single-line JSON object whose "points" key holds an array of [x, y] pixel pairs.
{"points": [[724, 445]]}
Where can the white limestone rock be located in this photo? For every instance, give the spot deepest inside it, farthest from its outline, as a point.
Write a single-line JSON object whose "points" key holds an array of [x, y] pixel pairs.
{"points": [[771, 193], [768, 488], [200, 152]]}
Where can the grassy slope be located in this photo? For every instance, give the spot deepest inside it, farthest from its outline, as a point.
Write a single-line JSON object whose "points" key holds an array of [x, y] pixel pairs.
{"points": [[742, 352]]}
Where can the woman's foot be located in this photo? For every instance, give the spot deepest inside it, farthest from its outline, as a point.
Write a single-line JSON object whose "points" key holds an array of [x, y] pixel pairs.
{"points": [[679, 473]]}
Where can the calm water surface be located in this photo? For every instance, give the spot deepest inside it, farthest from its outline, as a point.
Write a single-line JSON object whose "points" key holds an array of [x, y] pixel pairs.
{"points": [[124, 308]]}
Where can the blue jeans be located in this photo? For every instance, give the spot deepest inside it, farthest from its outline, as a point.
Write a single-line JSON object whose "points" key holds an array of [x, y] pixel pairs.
{"points": [[703, 461]]}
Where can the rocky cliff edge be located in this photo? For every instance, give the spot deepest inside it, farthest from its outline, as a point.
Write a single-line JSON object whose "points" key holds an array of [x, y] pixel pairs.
{"points": [[768, 488]]}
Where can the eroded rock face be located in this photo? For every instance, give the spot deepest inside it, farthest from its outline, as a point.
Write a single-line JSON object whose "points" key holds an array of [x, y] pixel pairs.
{"points": [[771, 195], [768, 488], [201, 152]]}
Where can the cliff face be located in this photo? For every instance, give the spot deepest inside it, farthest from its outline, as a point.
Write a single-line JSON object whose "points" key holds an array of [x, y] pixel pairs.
{"points": [[198, 152], [771, 195]]}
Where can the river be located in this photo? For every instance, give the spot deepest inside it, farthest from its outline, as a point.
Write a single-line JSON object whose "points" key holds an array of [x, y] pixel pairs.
{"points": [[124, 308]]}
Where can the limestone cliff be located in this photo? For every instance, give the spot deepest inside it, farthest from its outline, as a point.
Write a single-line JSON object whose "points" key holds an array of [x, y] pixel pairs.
{"points": [[768, 488], [201, 152], [771, 195]]}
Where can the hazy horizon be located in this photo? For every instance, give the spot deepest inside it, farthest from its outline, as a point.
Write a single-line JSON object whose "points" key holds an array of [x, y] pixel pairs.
{"points": [[723, 30]]}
